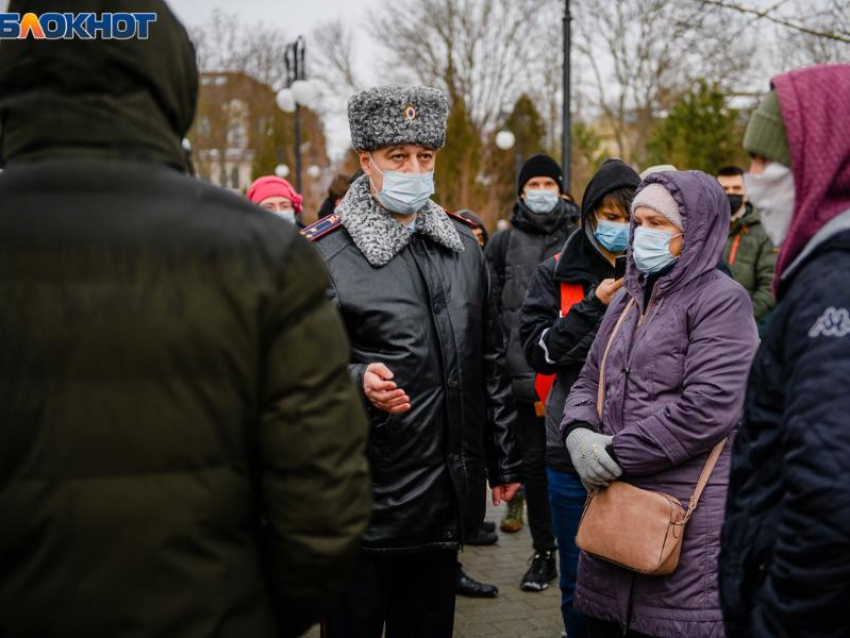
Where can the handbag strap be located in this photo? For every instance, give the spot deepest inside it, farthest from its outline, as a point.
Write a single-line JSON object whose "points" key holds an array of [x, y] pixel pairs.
{"points": [[710, 463], [600, 394], [704, 476]]}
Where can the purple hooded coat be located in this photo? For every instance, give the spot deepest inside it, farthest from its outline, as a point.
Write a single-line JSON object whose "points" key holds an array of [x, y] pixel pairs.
{"points": [[674, 388]]}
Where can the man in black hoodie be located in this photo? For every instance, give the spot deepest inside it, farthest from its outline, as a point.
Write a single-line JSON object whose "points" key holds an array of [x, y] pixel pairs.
{"points": [[541, 221], [561, 314]]}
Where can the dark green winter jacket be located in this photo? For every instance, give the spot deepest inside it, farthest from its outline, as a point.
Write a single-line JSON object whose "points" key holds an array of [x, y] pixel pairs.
{"points": [[181, 447], [752, 258]]}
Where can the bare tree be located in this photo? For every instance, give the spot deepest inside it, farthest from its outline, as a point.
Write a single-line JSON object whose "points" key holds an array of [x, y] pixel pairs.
{"points": [[803, 48], [642, 55], [802, 20], [223, 43], [332, 57], [217, 43], [480, 51], [331, 63]]}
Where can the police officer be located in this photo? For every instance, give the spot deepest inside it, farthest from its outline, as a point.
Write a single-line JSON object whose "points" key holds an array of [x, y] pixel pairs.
{"points": [[413, 288]]}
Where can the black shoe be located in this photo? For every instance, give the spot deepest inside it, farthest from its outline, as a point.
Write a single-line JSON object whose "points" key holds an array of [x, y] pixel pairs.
{"points": [[483, 538], [467, 586], [541, 573], [488, 526]]}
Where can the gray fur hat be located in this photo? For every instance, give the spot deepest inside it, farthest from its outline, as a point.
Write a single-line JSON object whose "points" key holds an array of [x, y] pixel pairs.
{"points": [[389, 115]]}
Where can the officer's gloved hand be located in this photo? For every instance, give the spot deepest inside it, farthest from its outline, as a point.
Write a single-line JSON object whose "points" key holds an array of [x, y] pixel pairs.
{"points": [[595, 467]]}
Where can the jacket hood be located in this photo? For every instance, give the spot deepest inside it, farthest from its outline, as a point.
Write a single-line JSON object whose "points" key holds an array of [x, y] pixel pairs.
{"points": [[133, 99], [705, 214], [613, 174], [814, 104]]}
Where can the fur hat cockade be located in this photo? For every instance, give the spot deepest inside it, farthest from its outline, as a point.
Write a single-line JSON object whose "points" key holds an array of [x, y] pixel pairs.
{"points": [[390, 115]]}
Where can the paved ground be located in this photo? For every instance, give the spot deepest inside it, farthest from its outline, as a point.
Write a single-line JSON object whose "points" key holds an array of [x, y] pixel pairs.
{"points": [[514, 613]]}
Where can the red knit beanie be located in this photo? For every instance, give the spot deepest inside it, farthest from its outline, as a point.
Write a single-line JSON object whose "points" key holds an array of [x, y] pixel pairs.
{"points": [[271, 186]]}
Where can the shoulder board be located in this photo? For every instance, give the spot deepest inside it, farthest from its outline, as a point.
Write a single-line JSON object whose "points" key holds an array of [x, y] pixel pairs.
{"points": [[463, 220], [322, 227]]}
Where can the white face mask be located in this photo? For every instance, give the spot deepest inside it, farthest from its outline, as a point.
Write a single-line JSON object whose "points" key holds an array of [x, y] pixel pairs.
{"points": [[288, 215], [773, 194]]}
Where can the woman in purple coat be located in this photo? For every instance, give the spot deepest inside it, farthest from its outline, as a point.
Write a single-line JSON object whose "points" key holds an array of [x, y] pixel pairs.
{"points": [[675, 379]]}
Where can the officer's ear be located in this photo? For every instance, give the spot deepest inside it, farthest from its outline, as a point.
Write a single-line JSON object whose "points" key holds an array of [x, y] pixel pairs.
{"points": [[365, 163]]}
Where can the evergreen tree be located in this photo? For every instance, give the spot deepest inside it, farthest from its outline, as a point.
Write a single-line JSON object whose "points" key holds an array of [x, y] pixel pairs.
{"points": [[700, 132]]}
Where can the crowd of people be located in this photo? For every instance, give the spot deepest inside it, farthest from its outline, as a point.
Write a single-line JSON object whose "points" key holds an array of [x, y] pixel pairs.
{"points": [[215, 421]]}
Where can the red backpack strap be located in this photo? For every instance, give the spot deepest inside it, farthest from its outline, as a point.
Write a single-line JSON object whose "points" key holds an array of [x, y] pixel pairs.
{"points": [[571, 294]]}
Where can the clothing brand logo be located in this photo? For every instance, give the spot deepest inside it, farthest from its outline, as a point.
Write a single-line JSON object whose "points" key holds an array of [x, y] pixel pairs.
{"points": [[76, 26], [834, 322]]}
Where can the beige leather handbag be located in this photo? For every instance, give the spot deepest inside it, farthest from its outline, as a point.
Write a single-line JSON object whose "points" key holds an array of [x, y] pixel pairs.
{"points": [[637, 529]]}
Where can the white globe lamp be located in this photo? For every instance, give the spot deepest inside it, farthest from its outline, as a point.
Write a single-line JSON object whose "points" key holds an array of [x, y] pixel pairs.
{"points": [[286, 100], [505, 140], [304, 92]]}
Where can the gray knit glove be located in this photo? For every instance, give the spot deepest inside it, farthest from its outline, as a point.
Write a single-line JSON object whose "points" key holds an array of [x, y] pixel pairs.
{"points": [[595, 467]]}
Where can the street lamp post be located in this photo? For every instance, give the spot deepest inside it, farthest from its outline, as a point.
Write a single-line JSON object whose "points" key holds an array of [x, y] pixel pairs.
{"points": [[301, 92], [565, 141]]}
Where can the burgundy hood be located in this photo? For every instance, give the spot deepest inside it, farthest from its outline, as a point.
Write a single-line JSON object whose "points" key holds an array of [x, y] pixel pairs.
{"points": [[815, 104]]}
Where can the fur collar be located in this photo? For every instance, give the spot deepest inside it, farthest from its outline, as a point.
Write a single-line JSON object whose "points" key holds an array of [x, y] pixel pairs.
{"points": [[379, 236]]}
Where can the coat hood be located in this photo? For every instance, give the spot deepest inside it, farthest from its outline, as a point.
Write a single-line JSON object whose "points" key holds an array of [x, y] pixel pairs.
{"points": [[581, 258], [612, 175], [132, 99], [705, 214], [815, 104]]}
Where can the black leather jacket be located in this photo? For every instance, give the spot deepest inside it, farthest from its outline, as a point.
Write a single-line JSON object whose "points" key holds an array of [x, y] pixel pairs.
{"points": [[428, 315]]}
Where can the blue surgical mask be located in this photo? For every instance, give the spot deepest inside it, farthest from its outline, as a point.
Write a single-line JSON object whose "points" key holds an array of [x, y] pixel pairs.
{"points": [[404, 193], [613, 236], [651, 249], [541, 202]]}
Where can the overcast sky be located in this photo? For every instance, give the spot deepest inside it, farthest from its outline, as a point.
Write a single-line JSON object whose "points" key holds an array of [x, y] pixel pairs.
{"points": [[295, 17]]}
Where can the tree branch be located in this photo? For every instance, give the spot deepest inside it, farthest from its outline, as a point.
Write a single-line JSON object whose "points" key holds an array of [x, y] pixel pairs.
{"points": [[839, 36]]}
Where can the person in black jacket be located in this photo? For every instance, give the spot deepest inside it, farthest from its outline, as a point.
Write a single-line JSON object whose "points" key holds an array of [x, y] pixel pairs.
{"points": [[413, 289], [557, 344], [785, 545], [541, 223]]}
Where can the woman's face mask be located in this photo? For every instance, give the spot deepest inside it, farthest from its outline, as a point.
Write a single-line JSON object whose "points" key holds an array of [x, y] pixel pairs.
{"points": [[288, 215], [404, 193], [651, 249], [772, 192]]}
